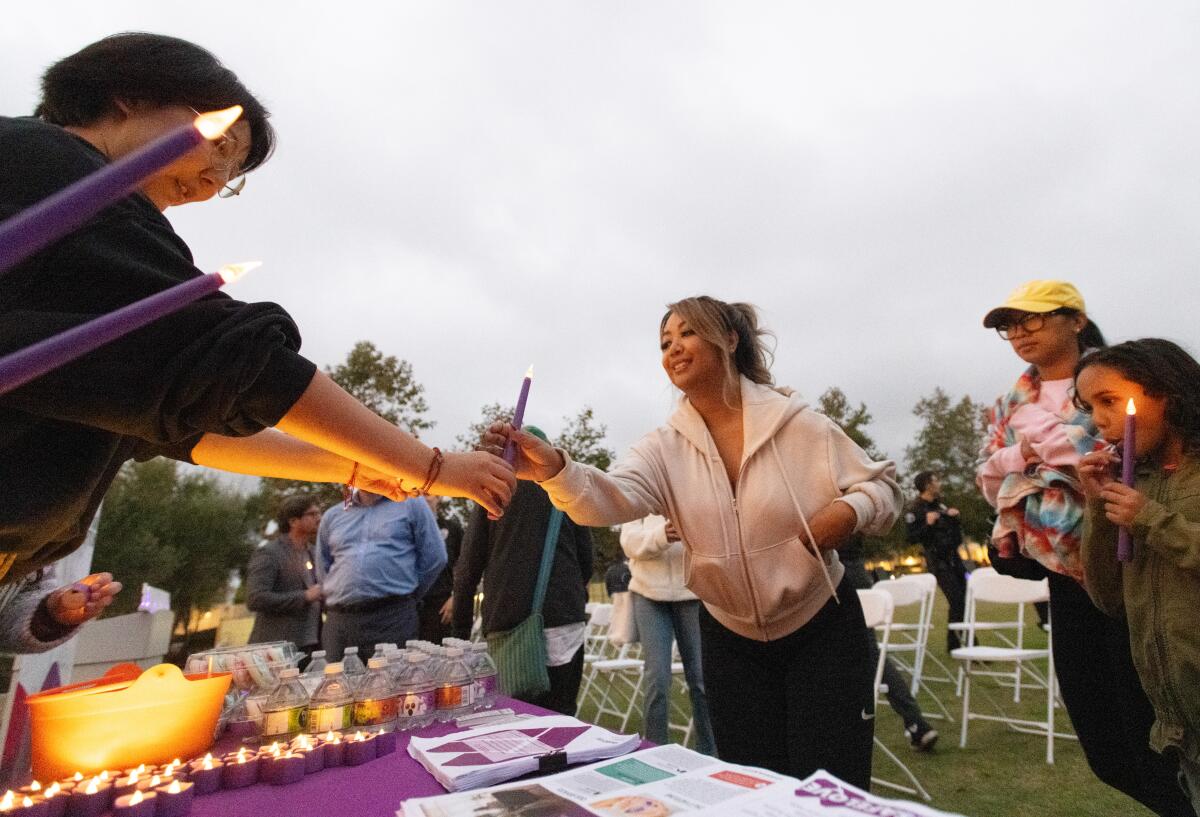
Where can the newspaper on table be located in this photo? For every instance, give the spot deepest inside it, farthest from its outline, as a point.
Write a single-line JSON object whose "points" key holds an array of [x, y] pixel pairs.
{"points": [[663, 781], [488, 755]]}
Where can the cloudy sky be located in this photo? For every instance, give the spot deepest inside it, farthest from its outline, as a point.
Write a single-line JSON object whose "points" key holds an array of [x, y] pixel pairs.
{"points": [[478, 186]]}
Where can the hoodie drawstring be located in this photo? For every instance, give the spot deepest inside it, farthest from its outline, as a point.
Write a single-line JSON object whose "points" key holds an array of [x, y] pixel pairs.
{"points": [[804, 522]]}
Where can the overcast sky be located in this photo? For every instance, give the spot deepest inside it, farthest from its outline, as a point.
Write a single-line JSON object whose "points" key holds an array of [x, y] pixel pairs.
{"points": [[478, 186]]}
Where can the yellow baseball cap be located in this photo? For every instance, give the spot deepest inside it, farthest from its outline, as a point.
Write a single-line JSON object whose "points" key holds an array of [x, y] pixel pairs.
{"points": [[1037, 296]]}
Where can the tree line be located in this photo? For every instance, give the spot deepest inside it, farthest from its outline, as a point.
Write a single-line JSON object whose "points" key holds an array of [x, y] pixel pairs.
{"points": [[188, 533]]}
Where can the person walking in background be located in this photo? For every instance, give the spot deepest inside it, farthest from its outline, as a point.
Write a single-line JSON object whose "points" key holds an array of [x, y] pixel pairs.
{"points": [[1035, 440], [937, 529], [920, 735], [665, 612], [763, 491], [376, 558], [281, 583], [437, 606], [505, 554]]}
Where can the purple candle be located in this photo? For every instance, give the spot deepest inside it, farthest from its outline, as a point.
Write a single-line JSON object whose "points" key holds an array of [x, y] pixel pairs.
{"points": [[56, 800], [385, 743], [33, 361], [240, 770], [175, 799], [510, 448], [206, 775], [284, 769], [89, 799], [1128, 455], [57, 215], [335, 750], [139, 804], [313, 754], [360, 749]]}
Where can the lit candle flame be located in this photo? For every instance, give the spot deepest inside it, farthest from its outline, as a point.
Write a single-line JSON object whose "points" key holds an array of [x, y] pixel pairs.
{"points": [[93, 786], [359, 736], [529, 372], [1130, 408], [274, 747], [175, 762], [289, 753], [53, 789], [232, 272], [137, 798], [305, 743], [174, 788], [242, 755], [104, 776], [133, 776], [332, 738], [35, 786], [155, 781], [214, 123], [208, 757], [27, 803], [207, 765], [78, 778], [7, 801]]}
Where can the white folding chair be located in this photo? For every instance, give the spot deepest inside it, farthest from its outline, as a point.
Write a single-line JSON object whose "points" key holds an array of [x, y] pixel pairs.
{"points": [[911, 638], [616, 684], [1009, 631], [595, 644], [877, 611], [993, 588], [942, 673]]}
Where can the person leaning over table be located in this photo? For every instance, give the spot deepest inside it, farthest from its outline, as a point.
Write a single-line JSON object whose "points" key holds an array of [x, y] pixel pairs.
{"points": [[761, 490], [205, 384]]}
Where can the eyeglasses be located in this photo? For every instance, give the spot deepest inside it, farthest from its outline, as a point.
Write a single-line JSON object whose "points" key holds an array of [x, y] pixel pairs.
{"points": [[1029, 324], [225, 147]]}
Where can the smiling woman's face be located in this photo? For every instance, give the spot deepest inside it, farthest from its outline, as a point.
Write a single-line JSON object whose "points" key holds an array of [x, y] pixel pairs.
{"points": [[690, 362]]}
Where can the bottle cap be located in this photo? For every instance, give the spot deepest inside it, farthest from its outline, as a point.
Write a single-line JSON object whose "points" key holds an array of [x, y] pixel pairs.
{"points": [[318, 654], [350, 651], [334, 668]]}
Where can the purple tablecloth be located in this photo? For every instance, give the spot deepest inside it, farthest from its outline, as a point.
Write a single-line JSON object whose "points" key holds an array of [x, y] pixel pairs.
{"points": [[374, 789]]}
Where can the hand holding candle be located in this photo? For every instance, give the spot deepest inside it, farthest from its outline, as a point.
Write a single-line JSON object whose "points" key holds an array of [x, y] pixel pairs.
{"points": [[510, 448], [20, 367], [52, 218], [84, 600]]}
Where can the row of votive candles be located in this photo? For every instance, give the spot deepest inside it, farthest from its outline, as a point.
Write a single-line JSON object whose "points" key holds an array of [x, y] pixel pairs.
{"points": [[167, 791]]}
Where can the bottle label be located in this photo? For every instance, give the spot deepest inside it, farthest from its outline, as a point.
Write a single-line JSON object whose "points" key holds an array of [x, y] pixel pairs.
{"points": [[325, 718], [415, 704], [284, 721], [374, 711], [452, 697]]}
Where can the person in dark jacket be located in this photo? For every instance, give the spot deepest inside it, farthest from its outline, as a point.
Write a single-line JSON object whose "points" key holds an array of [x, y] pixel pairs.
{"points": [[938, 530], [205, 384], [506, 553], [281, 582]]}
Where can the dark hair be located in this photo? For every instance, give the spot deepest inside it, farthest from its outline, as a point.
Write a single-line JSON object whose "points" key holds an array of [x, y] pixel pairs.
{"points": [[150, 69], [713, 320], [294, 507], [1162, 369], [921, 481], [1090, 337]]}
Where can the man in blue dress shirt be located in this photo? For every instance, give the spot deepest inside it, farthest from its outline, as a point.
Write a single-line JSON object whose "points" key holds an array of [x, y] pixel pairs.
{"points": [[375, 559]]}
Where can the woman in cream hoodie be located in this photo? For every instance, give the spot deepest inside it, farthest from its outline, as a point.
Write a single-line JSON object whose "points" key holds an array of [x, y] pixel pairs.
{"points": [[762, 491], [665, 611]]}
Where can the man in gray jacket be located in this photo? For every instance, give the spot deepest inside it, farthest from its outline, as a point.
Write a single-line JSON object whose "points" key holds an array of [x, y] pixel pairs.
{"points": [[281, 585]]}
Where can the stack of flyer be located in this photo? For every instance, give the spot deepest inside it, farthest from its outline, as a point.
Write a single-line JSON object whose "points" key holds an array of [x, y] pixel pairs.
{"points": [[662, 782], [493, 754]]}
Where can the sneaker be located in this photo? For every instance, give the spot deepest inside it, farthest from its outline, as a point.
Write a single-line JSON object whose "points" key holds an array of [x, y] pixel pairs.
{"points": [[921, 736]]}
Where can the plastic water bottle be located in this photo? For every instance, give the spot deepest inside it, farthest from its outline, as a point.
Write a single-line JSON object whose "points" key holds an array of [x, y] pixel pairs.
{"points": [[353, 666], [314, 673], [332, 705], [414, 694], [286, 708], [375, 699], [486, 677], [454, 684]]}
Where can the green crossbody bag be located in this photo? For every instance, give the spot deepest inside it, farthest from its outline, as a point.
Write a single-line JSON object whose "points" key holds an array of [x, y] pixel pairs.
{"points": [[520, 653]]}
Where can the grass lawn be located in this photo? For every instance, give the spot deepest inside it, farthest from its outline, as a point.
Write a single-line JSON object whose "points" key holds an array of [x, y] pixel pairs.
{"points": [[1001, 773]]}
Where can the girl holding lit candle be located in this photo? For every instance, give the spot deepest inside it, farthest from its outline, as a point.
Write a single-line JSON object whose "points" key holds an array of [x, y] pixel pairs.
{"points": [[1157, 590], [762, 491], [1035, 440], [204, 383]]}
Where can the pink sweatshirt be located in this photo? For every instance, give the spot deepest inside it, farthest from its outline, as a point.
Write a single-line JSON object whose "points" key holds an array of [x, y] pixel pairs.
{"points": [[1042, 423]]}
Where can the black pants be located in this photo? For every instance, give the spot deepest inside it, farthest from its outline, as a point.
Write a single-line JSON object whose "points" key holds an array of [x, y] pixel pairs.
{"points": [[430, 614], [797, 704], [952, 580], [1105, 701], [564, 686], [394, 623]]}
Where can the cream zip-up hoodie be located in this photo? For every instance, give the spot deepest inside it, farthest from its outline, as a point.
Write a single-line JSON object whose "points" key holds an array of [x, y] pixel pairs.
{"points": [[744, 556], [655, 565]]}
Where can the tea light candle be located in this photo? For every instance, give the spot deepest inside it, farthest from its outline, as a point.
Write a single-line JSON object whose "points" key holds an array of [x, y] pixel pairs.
{"points": [[56, 797], [335, 749], [313, 753], [284, 769], [139, 804], [240, 770], [175, 799], [206, 774], [89, 799], [360, 749], [23, 804], [385, 743], [34, 789]]}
